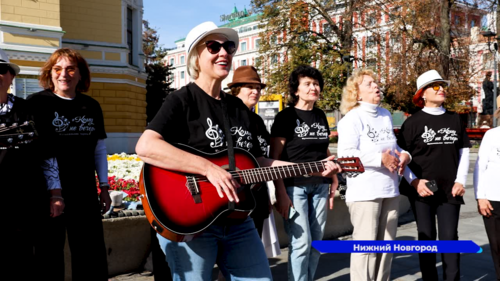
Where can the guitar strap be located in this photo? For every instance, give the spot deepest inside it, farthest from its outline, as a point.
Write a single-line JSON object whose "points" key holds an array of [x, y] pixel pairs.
{"points": [[229, 139]]}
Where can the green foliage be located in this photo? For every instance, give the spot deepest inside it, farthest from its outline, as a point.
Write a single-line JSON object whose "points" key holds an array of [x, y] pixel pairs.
{"points": [[157, 83], [291, 38]]}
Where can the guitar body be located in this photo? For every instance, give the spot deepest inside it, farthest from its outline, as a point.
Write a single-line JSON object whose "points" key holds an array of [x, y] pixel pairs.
{"points": [[180, 207]]}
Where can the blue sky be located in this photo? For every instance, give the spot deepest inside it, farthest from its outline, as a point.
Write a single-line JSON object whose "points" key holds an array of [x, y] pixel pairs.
{"points": [[174, 18]]}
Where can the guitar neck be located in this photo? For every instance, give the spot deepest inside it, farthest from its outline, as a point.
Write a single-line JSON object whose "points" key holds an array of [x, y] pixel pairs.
{"points": [[279, 172]]}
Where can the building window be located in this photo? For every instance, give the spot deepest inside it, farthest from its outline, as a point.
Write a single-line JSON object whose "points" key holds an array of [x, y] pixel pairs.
{"points": [[182, 74], [172, 77], [274, 58], [130, 41], [172, 61], [371, 63], [26, 86], [243, 62], [243, 46], [182, 60], [257, 43], [370, 42], [372, 19], [472, 23], [327, 29], [457, 20]]}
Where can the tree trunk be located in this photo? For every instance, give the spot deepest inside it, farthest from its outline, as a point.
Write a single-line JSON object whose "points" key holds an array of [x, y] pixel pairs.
{"points": [[444, 40]]}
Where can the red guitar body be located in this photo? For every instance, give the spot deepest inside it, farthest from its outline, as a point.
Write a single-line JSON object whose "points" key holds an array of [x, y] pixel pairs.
{"points": [[170, 205]]}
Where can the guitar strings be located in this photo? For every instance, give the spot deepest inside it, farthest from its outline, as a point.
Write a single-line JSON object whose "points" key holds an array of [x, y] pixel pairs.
{"points": [[263, 172]]}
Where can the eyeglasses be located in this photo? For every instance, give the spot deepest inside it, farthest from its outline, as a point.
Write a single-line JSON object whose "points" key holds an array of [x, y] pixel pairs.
{"points": [[4, 68], [436, 86], [70, 70], [214, 47]]}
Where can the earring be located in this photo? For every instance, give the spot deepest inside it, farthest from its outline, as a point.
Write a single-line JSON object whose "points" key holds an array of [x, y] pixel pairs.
{"points": [[423, 98]]}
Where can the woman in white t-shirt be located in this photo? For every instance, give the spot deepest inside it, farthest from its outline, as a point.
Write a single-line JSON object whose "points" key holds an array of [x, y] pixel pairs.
{"points": [[372, 197], [486, 179]]}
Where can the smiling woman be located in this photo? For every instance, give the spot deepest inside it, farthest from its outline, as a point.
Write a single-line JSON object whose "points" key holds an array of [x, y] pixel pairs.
{"points": [[71, 122]]}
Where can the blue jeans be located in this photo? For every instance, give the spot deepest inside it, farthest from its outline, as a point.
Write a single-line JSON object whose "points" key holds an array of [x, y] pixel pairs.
{"points": [[310, 203], [237, 250]]}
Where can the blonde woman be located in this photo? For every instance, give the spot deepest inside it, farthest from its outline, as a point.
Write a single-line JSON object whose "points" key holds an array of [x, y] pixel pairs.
{"points": [[372, 197]]}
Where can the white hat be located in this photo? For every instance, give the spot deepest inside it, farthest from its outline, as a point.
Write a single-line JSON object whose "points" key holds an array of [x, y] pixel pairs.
{"points": [[4, 59], [429, 77], [203, 30], [423, 80]]}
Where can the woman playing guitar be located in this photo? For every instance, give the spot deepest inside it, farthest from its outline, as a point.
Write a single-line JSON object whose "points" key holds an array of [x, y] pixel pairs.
{"points": [[195, 115]]}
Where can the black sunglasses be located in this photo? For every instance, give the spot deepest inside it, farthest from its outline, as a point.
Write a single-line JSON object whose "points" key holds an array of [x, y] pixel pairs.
{"points": [[214, 47], [4, 68]]}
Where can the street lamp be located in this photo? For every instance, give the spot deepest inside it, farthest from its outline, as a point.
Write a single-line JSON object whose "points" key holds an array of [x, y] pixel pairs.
{"points": [[489, 35]]}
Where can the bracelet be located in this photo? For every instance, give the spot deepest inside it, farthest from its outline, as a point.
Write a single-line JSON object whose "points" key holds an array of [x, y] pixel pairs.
{"points": [[103, 184], [57, 197]]}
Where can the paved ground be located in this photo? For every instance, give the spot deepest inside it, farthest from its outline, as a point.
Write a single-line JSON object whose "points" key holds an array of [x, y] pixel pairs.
{"points": [[405, 267]]}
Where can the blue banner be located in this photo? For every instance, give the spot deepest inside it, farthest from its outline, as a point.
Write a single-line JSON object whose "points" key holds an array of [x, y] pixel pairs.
{"points": [[351, 246]]}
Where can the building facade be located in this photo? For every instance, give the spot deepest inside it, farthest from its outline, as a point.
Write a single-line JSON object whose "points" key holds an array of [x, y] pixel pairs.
{"points": [[108, 33]]}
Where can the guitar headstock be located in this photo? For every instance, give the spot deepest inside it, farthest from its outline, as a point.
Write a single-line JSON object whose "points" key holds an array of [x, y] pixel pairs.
{"points": [[17, 134], [351, 166]]}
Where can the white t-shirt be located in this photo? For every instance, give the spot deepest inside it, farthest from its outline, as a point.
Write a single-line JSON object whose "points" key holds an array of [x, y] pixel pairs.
{"points": [[366, 132], [487, 170]]}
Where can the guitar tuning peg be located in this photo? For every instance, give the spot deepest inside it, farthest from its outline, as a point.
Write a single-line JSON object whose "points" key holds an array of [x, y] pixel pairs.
{"points": [[2, 125], [10, 140], [14, 124]]}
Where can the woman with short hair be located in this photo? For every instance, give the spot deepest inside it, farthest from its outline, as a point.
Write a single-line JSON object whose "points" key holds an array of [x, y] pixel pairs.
{"points": [[366, 132], [71, 125], [300, 133], [194, 116]]}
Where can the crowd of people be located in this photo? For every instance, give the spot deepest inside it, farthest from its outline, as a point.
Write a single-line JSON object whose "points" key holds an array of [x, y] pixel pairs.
{"points": [[427, 161]]}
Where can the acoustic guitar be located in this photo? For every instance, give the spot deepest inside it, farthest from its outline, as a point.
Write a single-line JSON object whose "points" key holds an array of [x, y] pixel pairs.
{"points": [[180, 206]]}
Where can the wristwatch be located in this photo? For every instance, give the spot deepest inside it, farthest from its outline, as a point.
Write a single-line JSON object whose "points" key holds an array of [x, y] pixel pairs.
{"points": [[104, 184]]}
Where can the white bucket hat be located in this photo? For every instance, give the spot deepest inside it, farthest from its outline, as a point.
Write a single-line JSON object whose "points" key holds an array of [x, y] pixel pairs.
{"points": [[203, 30], [425, 79], [4, 59]]}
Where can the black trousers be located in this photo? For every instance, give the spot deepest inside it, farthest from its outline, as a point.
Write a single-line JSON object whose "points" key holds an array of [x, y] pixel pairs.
{"points": [[86, 243], [492, 225], [447, 229]]}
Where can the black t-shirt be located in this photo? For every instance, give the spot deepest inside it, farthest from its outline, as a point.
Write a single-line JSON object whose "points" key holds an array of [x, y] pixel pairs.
{"points": [[71, 128], [306, 133], [21, 175], [190, 116], [434, 142]]}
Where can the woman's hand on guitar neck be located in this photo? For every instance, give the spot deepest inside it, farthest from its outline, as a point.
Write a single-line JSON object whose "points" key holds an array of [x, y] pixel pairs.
{"points": [[331, 168], [223, 182]]}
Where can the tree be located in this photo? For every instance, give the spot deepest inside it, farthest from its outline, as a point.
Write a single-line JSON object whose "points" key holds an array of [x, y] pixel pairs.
{"points": [[157, 83], [305, 32], [427, 38]]}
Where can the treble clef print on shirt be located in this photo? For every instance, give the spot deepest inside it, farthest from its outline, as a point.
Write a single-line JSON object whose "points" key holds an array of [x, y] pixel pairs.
{"points": [[215, 134], [372, 134], [61, 123], [428, 134], [302, 129]]}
